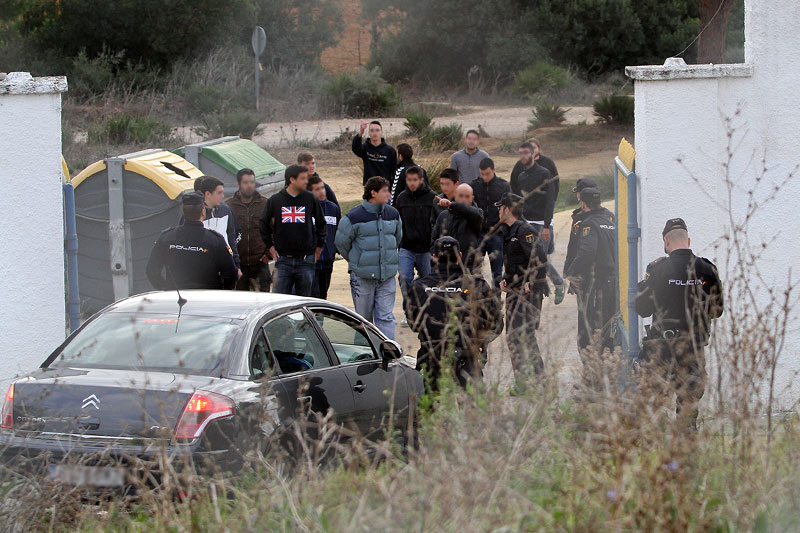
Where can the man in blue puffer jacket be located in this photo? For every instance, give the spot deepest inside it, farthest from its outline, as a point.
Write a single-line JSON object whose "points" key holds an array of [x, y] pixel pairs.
{"points": [[368, 238]]}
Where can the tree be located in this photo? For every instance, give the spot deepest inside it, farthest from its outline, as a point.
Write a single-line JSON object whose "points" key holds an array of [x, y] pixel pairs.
{"points": [[714, 18]]}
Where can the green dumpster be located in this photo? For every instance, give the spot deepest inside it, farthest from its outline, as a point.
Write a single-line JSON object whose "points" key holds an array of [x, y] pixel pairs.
{"points": [[224, 157]]}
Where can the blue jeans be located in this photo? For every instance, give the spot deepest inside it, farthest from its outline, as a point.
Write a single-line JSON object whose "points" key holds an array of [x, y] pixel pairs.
{"points": [[409, 260], [494, 247], [374, 300], [294, 276], [549, 247]]}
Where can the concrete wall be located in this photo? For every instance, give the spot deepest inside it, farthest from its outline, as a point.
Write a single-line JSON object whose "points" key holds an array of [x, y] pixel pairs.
{"points": [[32, 308], [681, 115]]}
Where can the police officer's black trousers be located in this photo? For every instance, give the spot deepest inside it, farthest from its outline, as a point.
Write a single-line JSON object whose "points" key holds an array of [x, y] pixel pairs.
{"points": [[680, 366], [523, 312], [597, 307], [432, 355]]}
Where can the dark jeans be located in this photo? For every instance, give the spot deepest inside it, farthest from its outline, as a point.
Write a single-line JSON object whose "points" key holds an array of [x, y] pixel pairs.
{"points": [[493, 245], [294, 276], [549, 247], [322, 280], [255, 278]]}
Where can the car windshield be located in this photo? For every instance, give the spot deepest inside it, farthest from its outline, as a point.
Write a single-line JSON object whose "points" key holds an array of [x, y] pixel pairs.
{"points": [[190, 344]]}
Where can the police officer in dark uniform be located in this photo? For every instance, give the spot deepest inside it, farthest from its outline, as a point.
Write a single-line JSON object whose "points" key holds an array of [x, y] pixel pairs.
{"points": [[190, 256], [525, 284], [577, 218], [593, 273], [683, 294], [454, 313]]}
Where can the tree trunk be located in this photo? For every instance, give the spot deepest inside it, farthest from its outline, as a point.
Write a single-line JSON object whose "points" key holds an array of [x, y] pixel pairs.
{"points": [[711, 44]]}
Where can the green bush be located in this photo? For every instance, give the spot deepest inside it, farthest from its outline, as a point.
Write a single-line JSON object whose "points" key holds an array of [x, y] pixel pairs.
{"points": [[541, 77], [614, 109], [238, 122], [442, 137], [547, 114], [128, 129], [417, 122], [363, 93]]}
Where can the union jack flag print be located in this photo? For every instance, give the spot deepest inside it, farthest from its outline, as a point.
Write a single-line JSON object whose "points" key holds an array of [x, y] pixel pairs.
{"points": [[293, 214]]}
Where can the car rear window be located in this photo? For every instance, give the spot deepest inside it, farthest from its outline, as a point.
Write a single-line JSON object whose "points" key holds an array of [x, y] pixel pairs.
{"points": [[190, 344]]}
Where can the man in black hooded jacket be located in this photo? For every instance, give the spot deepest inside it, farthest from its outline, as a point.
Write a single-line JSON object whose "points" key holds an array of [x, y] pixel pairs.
{"points": [[380, 159], [461, 219]]}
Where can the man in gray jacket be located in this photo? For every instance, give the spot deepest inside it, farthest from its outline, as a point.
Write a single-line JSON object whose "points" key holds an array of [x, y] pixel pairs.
{"points": [[368, 238], [466, 161]]}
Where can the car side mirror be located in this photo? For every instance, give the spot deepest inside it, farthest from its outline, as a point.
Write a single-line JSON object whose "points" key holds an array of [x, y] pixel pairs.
{"points": [[390, 350]]}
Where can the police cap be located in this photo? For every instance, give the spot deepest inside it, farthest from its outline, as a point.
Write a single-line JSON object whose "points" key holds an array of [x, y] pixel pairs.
{"points": [[446, 249], [193, 198], [590, 195], [509, 199], [673, 223], [584, 183]]}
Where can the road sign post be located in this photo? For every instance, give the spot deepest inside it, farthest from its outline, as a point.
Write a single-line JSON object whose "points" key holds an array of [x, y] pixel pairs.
{"points": [[259, 42]]}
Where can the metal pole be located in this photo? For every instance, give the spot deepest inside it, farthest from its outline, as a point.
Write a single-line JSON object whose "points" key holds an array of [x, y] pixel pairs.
{"points": [[634, 233], [71, 247], [257, 80]]}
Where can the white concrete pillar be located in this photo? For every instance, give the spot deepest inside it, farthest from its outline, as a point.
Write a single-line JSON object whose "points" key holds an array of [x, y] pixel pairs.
{"points": [[32, 304]]}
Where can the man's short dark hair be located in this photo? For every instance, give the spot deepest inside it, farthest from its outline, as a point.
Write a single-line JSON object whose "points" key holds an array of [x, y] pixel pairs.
{"points": [[209, 184], [304, 157], [485, 163], [193, 212], [374, 184], [517, 209], [376, 122], [472, 131], [313, 180], [292, 171], [406, 151], [528, 145], [414, 169], [450, 174], [198, 183], [244, 172]]}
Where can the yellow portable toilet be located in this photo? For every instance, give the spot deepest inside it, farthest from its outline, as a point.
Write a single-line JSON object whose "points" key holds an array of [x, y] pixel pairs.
{"points": [[122, 204]]}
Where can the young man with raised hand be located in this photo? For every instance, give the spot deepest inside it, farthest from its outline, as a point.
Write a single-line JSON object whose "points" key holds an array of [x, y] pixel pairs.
{"points": [[379, 158]]}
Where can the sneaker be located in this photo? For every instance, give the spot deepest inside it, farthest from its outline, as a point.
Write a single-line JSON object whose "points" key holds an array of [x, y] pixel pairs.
{"points": [[404, 323], [559, 294]]}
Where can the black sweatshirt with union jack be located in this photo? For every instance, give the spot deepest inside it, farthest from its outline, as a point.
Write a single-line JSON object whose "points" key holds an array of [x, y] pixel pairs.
{"points": [[294, 225]]}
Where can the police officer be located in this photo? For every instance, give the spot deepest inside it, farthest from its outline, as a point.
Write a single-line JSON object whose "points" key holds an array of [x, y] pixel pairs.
{"points": [[525, 282], [683, 294], [577, 218], [453, 312], [592, 272], [190, 256]]}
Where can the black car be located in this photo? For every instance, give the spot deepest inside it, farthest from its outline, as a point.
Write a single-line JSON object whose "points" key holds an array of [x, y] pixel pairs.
{"points": [[207, 376]]}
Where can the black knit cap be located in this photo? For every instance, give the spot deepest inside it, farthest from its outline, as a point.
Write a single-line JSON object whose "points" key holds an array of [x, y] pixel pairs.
{"points": [[193, 198], [673, 223]]}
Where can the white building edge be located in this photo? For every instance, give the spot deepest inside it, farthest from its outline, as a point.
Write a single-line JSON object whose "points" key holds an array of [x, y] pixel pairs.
{"points": [[682, 122]]}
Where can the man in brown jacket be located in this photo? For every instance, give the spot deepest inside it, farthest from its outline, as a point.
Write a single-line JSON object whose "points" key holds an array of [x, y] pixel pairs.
{"points": [[248, 207]]}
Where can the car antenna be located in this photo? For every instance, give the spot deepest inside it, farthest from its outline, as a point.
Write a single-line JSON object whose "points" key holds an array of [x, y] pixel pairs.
{"points": [[181, 300]]}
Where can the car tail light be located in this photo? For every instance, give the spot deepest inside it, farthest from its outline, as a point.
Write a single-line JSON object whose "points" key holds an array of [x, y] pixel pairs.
{"points": [[200, 410], [7, 414]]}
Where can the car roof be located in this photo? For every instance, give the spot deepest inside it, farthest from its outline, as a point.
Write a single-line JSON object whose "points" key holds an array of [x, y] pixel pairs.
{"points": [[211, 303]]}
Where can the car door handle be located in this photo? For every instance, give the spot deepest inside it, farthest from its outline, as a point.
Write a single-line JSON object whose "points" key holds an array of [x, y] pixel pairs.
{"points": [[359, 387]]}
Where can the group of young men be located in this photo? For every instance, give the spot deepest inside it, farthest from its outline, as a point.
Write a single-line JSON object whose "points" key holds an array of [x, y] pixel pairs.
{"points": [[434, 244]]}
